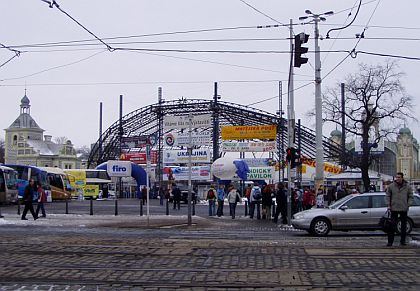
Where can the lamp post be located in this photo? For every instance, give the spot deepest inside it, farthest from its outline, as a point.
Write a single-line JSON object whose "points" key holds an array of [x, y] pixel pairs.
{"points": [[319, 172]]}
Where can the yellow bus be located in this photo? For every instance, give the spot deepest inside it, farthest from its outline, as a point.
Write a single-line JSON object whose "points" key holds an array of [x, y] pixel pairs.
{"points": [[59, 183], [89, 183]]}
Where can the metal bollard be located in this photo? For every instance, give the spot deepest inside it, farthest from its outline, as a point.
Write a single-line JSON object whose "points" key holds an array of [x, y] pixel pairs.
{"points": [[273, 210], [141, 207], [116, 207], [91, 206], [67, 206], [167, 206], [246, 208], [18, 202]]}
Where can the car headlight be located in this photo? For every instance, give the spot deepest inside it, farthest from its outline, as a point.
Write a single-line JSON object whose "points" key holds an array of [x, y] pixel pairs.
{"points": [[298, 216]]}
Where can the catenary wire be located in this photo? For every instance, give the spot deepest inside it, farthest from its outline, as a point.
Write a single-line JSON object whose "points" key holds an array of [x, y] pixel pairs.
{"points": [[260, 12]]}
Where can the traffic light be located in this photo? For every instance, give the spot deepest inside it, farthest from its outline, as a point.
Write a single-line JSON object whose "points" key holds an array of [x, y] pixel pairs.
{"points": [[300, 39], [293, 157]]}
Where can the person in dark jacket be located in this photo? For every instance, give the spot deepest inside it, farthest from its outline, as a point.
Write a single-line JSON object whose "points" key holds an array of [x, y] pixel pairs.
{"points": [[41, 199], [176, 196], [267, 202], [281, 201], [399, 197], [28, 196]]}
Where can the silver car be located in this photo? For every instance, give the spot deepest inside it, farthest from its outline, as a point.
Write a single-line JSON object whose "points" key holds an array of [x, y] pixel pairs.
{"points": [[353, 212]]}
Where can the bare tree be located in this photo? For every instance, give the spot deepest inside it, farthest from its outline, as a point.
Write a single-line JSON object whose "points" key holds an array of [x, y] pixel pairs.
{"points": [[84, 152], [61, 139], [376, 105]]}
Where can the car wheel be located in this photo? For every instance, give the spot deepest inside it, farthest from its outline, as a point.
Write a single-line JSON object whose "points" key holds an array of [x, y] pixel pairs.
{"points": [[320, 227], [409, 226]]}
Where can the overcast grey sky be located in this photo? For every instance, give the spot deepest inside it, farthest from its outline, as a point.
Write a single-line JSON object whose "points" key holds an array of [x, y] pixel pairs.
{"points": [[66, 83]]}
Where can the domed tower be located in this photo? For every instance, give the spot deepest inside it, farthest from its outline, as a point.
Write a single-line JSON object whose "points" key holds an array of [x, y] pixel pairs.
{"points": [[405, 153], [24, 128], [335, 136]]}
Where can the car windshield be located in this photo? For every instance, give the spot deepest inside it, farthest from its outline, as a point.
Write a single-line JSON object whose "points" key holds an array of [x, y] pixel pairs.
{"points": [[340, 201]]}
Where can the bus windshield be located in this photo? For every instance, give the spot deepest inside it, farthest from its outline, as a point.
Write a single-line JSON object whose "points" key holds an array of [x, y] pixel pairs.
{"points": [[11, 179]]}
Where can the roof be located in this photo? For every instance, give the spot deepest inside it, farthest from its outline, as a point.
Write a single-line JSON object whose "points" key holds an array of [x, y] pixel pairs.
{"points": [[357, 175], [25, 121], [97, 181], [45, 148], [53, 170], [405, 130]]}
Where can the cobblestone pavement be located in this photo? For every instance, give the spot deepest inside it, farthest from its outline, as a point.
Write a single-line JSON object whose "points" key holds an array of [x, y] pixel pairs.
{"points": [[82, 252]]}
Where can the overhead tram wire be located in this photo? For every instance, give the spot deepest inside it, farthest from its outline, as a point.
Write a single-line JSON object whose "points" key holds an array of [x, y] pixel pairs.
{"points": [[16, 54], [54, 3], [262, 13]]}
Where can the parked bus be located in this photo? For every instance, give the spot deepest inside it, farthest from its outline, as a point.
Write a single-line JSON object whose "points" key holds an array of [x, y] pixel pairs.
{"points": [[25, 173], [8, 185], [89, 183], [59, 183]]}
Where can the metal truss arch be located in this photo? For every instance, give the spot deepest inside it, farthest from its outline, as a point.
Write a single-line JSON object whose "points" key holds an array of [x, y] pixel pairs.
{"points": [[145, 122]]}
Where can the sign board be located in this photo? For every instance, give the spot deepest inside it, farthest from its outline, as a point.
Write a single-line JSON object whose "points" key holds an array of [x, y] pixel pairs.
{"points": [[177, 139], [261, 173], [129, 142], [249, 132], [181, 156], [119, 168], [139, 157], [181, 173], [182, 121], [238, 146], [259, 162]]}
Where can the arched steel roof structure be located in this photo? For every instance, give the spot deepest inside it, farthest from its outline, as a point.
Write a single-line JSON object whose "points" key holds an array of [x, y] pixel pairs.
{"points": [[147, 121]]}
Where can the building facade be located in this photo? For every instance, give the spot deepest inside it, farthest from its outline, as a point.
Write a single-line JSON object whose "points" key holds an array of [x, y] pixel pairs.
{"points": [[26, 144]]}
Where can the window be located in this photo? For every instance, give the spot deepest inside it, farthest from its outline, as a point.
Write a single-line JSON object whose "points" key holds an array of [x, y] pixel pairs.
{"points": [[358, 202], [416, 201], [378, 201]]}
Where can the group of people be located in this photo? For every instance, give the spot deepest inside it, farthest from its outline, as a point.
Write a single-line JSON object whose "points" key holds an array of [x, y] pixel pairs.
{"points": [[219, 195], [34, 193]]}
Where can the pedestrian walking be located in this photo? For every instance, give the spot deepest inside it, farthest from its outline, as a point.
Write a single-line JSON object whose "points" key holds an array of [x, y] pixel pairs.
{"points": [[399, 197], [267, 202], [176, 193], [28, 197], [220, 199], [255, 201], [41, 199], [211, 198], [233, 198], [281, 201]]}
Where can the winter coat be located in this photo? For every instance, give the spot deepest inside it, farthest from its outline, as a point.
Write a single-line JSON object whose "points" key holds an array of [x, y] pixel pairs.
{"points": [[232, 196], [400, 196], [251, 196]]}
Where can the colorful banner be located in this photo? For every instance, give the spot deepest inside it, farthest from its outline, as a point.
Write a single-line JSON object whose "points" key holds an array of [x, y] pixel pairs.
{"points": [[77, 180], [139, 157], [249, 132], [259, 162], [198, 173], [177, 139], [91, 190], [238, 146], [183, 121], [182, 156], [327, 167]]}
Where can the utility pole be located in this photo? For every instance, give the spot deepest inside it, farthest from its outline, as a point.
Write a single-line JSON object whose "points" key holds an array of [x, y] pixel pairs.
{"points": [[290, 127], [319, 157]]}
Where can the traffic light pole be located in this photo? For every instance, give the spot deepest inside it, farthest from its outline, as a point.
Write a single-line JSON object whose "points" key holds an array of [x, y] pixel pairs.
{"points": [[290, 127]]}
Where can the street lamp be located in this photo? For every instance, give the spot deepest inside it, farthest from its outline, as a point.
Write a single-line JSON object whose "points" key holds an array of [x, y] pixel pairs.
{"points": [[319, 173]]}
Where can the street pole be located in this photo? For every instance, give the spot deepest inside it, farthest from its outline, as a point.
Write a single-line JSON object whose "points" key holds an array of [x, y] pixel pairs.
{"points": [[290, 127], [189, 168], [319, 158], [148, 166]]}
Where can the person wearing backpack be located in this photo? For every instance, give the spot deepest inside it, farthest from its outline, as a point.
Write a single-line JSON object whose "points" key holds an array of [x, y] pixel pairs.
{"points": [[255, 201], [211, 198]]}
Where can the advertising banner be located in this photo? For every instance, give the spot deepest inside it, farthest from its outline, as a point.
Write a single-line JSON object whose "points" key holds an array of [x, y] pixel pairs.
{"points": [[139, 157], [259, 162], [77, 180], [119, 168], [238, 146], [249, 132], [178, 139], [182, 121], [181, 156], [181, 173], [134, 142]]}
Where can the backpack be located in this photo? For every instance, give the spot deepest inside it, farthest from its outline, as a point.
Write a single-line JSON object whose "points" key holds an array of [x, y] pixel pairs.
{"points": [[210, 194], [257, 194]]}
